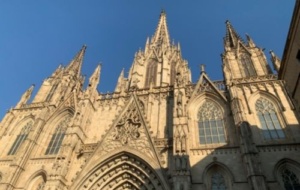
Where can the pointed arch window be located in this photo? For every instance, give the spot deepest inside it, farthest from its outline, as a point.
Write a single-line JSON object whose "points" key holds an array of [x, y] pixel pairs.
{"points": [[20, 138], [211, 124], [268, 118], [217, 181], [218, 177], [247, 65], [290, 180], [57, 138]]}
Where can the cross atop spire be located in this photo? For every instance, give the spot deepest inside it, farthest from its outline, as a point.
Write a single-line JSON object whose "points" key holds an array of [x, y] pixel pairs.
{"points": [[161, 35], [74, 67], [232, 38]]}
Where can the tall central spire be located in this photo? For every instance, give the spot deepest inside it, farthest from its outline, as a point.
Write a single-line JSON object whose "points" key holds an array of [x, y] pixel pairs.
{"points": [[161, 35], [75, 65], [232, 37]]}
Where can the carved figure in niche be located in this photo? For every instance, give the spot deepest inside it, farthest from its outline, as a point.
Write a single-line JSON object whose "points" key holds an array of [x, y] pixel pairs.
{"points": [[178, 143], [179, 110], [183, 143], [177, 163], [181, 162], [179, 98], [184, 163]]}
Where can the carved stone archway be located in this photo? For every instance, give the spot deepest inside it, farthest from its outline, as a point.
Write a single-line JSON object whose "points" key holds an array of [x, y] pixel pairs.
{"points": [[121, 172]]}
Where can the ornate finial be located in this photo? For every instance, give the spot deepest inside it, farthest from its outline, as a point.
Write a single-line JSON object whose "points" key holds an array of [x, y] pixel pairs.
{"points": [[202, 68], [275, 60]]}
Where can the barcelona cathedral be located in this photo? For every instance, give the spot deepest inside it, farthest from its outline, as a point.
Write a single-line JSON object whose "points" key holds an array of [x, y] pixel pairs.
{"points": [[157, 130]]}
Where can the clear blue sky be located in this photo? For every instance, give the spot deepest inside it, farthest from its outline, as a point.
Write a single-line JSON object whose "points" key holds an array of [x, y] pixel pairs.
{"points": [[37, 36]]}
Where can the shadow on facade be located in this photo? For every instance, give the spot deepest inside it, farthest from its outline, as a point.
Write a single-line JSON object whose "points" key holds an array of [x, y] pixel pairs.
{"points": [[253, 162]]}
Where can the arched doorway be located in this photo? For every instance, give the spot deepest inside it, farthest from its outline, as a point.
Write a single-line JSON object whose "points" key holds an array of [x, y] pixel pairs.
{"points": [[121, 172]]}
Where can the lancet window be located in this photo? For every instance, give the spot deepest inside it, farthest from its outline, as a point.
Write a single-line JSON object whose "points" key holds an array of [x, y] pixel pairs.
{"points": [[268, 118], [20, 138], [57, 138], [247, 65], [211, 124], [151, 72]]}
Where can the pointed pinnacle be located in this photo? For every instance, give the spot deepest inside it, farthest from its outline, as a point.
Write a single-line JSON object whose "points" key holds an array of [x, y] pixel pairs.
{"points": [[76, 63], [250, 41]]}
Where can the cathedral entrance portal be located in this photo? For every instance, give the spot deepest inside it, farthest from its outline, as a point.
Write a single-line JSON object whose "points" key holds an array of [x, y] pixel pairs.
{"points": [[123, 171]]}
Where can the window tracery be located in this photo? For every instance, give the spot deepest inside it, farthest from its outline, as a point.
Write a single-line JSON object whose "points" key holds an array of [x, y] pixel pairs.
{"points": [[211, 124], [20, 138], [217, 181], [57, 138], [268, 118], [290, 180]]}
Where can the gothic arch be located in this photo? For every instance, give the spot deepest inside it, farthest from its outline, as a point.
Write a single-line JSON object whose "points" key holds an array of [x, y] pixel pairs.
{"points": [[122, 170], [37, 180], [286, 165], [194, 105], [256, 95], [18, 126], [17, 135], [217, 167], [193, 109], [51, 126], [265, 105]]}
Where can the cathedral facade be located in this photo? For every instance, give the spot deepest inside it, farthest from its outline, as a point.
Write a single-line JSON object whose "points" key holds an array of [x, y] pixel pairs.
{"points": [[157, 130]]}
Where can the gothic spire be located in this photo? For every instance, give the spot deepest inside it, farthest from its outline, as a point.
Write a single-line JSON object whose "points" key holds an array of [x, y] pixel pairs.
{"points": [[161, 35], [232, 38], [74, 67], [95, 78]]}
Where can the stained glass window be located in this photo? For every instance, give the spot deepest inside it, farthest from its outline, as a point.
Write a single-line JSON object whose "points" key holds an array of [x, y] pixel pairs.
{"points": [[217, 182], [268, 118], [290, 180], [20, 138], [211, 124], [57, 138]]}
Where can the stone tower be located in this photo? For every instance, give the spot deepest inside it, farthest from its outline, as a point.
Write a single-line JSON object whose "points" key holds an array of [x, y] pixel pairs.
{"points": [[157, 130]]}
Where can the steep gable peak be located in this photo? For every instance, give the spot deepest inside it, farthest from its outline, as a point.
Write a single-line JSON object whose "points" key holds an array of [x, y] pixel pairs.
{"points": [[161, 35]]}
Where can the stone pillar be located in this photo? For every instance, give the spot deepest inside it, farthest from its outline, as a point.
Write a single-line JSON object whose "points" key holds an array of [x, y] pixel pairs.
{"points": [[250, 157]]}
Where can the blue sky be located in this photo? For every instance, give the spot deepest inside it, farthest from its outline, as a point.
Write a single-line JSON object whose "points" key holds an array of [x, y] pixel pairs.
{"points": [[37, 36]]}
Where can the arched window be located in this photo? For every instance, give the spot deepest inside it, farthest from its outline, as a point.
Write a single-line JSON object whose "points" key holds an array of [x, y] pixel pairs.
{"points": [[217, 181], [211, 124], [20, 138], [37, 183], [247, 65], [290, 180], [57, 138], [268, 118], [217, 177]]}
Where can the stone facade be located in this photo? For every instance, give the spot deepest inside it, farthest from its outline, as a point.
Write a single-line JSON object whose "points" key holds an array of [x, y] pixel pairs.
{"points": [[157, 130]]}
